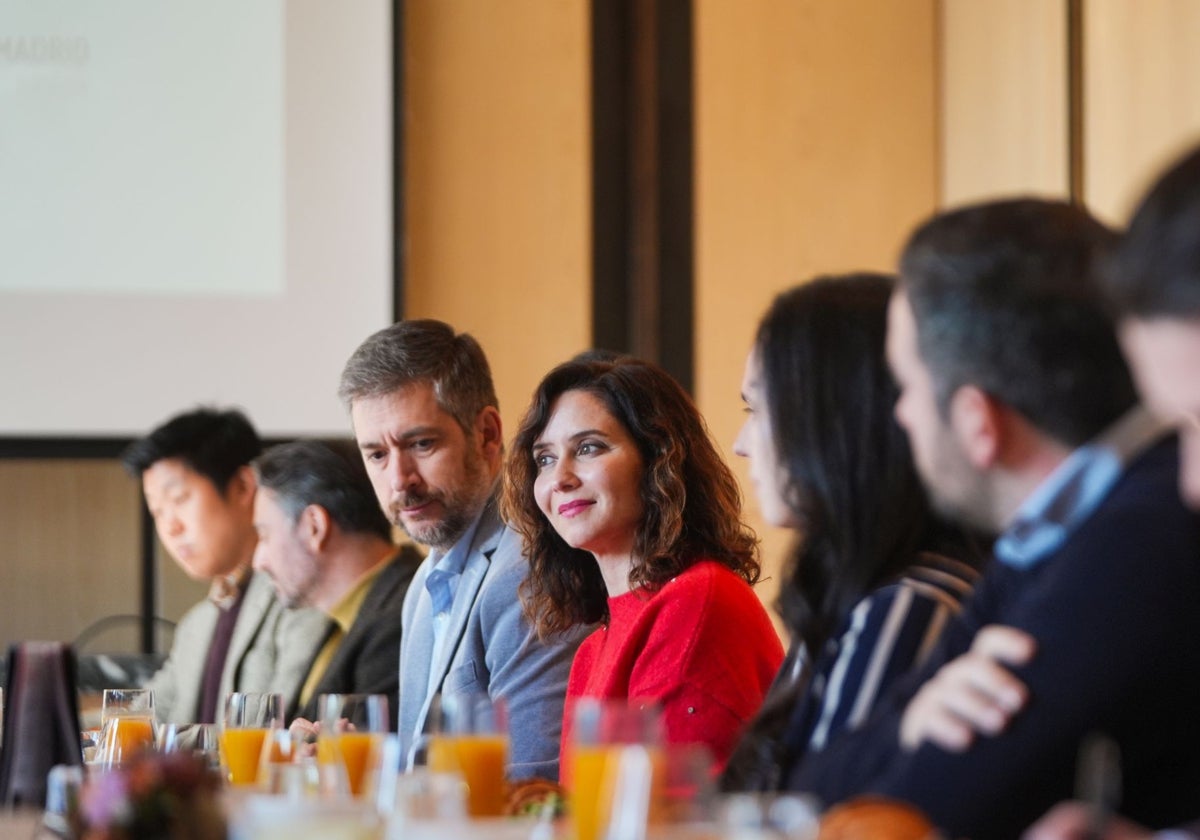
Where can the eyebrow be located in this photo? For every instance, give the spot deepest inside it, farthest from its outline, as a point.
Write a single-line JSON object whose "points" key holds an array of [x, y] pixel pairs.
{"points": [[420, 431], [543, 444]]}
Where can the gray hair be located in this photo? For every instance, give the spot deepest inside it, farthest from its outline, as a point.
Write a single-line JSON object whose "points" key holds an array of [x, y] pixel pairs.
{"points": [[424, 350], [329, 474]]}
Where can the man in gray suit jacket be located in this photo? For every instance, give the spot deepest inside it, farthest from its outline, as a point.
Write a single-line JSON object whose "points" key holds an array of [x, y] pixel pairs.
{"points": [[427, 423], [195, 472]]}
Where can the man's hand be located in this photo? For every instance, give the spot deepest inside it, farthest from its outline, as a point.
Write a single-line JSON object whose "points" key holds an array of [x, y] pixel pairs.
{"points": [[1072, 821], [973, 694]]}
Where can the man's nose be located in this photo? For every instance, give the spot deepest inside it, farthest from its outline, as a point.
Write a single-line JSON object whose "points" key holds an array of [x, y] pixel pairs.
{"points": [[170, 525], [404, 474]]}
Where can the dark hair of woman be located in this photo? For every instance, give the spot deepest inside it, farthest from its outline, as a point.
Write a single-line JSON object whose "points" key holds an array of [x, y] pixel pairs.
{"points": [[690, 497], [850, 479]]}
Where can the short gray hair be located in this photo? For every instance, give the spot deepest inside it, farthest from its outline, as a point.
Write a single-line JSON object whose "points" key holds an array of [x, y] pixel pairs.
{"points": [[423, 350], [329, 474]]}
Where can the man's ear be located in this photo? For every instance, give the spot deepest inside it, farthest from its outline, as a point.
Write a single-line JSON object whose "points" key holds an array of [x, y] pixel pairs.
{"points": [[315, 525], [241, 488], [978, 422], [490, 431]]}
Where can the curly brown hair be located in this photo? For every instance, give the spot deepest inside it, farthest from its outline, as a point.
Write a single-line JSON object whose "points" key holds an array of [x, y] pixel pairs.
{"points": [[691, 500]]}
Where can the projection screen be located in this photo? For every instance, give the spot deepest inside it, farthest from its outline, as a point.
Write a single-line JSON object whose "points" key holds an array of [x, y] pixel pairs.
{"points": [[195, 208]]}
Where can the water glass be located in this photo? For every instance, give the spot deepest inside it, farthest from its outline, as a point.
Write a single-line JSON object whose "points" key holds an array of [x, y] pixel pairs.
{"points": [[201, 739], [63, 785], [755, 816]]}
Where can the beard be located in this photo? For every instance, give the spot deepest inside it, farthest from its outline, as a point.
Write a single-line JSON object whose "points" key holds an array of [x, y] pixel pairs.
{"points": [[959, 493], [460, 505]]}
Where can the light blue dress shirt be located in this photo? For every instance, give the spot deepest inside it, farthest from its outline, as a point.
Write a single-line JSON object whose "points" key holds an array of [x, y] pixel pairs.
{"points": [[1069, 495]]}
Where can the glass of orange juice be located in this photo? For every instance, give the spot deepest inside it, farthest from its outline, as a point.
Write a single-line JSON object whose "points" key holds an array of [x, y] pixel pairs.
{"points": [[246, 720], [599, 730], [473, 742], [127, 724], [353, 728]]}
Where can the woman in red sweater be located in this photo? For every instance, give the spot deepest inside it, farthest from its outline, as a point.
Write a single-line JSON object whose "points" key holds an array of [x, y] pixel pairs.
{"points": [[632, 520]]}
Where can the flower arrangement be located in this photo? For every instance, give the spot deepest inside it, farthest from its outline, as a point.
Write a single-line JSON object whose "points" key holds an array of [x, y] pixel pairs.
{"points": [[171, 796]]}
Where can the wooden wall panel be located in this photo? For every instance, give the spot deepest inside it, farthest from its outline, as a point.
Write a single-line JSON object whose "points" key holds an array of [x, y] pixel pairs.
{"points": [[815, 153], [497, 167], [1003, 100], [1141, 96], [70, 551]]}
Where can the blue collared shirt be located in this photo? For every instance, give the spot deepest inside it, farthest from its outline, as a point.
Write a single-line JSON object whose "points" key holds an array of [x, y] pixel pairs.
{"points": [[1068, 496], [442, 583]]}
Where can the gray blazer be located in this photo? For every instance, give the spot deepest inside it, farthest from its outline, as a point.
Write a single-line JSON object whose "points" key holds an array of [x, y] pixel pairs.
{"points": [[489, 647], [271, 650]]}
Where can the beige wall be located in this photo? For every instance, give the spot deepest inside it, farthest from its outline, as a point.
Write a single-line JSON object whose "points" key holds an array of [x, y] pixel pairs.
{"points": [[815, 153], [71, 553], [497, 180], [824, 131], [1004, 105], [1003, 98], [1141, 97]]}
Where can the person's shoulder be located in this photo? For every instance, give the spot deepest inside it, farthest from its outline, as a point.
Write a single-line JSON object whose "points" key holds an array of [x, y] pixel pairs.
{"points": [[1143, 511], [710, 589], [933, 577], [198, 613], [1148, 485]]}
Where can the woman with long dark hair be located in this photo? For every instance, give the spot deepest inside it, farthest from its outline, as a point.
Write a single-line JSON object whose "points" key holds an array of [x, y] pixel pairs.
{"points": [[874, 573], [632, 520]]}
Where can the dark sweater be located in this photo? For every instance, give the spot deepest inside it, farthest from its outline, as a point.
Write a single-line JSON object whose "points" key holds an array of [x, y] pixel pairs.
{"points": [[1115, 615], [367, 660]]}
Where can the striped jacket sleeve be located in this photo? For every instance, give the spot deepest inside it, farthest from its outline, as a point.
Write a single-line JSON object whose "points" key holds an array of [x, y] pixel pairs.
{"points": [[888, 633]]}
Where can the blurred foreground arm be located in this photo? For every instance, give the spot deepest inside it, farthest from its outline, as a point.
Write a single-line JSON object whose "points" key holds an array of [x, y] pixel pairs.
{"points": [[973, 694], [1072, 821]]}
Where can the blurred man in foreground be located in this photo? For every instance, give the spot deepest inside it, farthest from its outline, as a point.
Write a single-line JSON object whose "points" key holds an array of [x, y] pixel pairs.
{"points": [[1018, 405]]}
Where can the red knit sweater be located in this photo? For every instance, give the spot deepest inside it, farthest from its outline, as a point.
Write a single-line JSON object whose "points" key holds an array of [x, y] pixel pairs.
{"points": [[702, 647]]}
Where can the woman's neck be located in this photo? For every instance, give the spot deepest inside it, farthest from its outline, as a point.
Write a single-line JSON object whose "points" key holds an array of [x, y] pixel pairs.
{"points": [[615, 568]]}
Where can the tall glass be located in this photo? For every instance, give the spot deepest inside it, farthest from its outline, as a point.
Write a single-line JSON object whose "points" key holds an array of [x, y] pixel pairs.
{"points": [[599, 730], [199, 739], [473, 742], [247, 718], [353, 728], [126, 724]]}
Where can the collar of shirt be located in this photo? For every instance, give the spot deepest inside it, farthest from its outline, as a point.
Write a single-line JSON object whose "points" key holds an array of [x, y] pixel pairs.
{"points": [[225, 590], [443, 578], [345, 612], [1070, 493]]}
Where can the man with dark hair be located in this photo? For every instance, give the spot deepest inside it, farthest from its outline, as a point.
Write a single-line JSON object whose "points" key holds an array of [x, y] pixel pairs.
{"points": [[199, 487], [324, 543], [1154, 286], [1018, 407], [427, 423]]}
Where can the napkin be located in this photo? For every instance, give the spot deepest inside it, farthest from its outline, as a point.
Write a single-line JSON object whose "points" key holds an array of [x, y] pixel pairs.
{"points": [[41, 720]]}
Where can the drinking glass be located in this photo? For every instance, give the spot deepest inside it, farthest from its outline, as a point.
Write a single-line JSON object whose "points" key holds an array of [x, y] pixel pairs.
{"points": [[353, 728], [126, 724], [599, 731], [473, 742], [247, 718], [200, 739]]}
